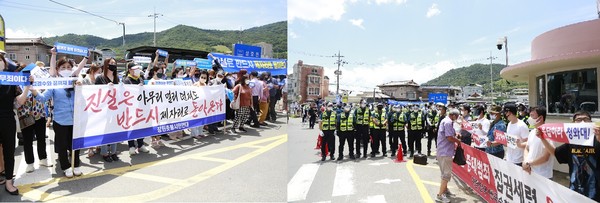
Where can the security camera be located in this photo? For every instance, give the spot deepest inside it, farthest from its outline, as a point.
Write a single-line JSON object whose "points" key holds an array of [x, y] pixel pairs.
{"points": [[499, 46], [500, 42]]}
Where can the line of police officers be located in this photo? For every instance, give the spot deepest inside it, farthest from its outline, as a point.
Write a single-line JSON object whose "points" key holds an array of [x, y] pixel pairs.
{"points": [[360, 125]]}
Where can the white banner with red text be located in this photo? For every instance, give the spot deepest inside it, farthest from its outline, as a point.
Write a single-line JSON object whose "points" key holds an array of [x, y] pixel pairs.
{"points": [[110, 114], [497, 180], [572, 133]]}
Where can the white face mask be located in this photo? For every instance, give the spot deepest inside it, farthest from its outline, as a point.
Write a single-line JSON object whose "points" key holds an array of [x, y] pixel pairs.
{"points": [[363, 105], [65, 73], [330, 108], [247, 82], [493, 117], [346, 109], [531, 121], [137, 72]]}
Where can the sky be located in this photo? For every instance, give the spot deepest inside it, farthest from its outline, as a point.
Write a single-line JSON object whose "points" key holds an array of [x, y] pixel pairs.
{"points": [[45, 18], [392, 40]]}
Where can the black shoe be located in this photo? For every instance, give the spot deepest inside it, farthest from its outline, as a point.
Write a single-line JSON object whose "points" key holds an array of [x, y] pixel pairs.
{"points": [[340, 158], [332, 158], [16, 192], [352, 157], [264, 124], [403, 153], [322, 158], [428, 153], [384, 155], [255, 126], [365, 156], [107, 158], [411, 155], [393, 153], [358, 154], [114, 157], [242, 129], [373, 155]]}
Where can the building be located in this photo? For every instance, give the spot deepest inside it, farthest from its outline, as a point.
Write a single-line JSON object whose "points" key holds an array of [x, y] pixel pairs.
{"points": [[406, 90], [519, 95], [563, 71], [266, 49], [454, 93], [472, 90], [27, 50], [308, 82]]}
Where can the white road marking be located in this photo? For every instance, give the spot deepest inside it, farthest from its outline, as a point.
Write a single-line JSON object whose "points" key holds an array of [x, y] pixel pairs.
{"points": [[387, 181], [379, 163], [376, 198], [343, 183], [300, 184]]}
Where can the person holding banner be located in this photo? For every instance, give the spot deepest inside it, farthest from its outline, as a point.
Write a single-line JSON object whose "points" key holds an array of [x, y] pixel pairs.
{"points": [[482, 126], [64, 102], [196, 132], [584, 171], [155, 74], [537, 159], [8, 95], [160, 64], [244, 93], [90, 79], [134, 77], [109, 76], [465, 136], [447, 140], [493, 147], [516, 128]]}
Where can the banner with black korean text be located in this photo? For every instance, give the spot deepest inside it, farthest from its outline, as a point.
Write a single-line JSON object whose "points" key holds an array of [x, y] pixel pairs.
{"points": [[497, 180], [111, 114]]}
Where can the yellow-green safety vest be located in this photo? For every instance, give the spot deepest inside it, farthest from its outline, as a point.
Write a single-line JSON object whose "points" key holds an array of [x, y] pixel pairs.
{"points": [[329, 121], [346, 122], [363, 118], [380, 118], [398, 124], [416, 123]]}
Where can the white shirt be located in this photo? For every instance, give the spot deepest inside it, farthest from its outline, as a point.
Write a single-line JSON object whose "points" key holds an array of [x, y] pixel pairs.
{"points": [[482, 133], [521, 131], [256, 87], [536, 150]]}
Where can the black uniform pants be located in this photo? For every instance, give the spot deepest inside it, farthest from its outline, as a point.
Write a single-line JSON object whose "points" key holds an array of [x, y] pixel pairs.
{"points": [[63, 139], [39, 130], [346, 136], [8, 138], [431, 135], [394, 135], [312, 121], [329, 141], [362, 137], [379, 138], [414, 140]]}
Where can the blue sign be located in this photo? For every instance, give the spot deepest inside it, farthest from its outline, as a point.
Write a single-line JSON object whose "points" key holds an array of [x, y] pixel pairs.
{"points": [[236, 63], [14, 78], [438, 97], [203, 63], [162, 52], [181, 62], [71, 49], [246, 50]]}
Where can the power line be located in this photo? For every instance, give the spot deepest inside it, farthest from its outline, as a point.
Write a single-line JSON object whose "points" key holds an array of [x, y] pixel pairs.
{"points": [[84, 11]]}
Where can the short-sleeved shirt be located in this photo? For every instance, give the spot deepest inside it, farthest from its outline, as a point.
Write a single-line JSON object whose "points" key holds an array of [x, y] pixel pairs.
{"points": [[520, 130], [583, 167], [536, 149], [501, 126], [446, 129]]}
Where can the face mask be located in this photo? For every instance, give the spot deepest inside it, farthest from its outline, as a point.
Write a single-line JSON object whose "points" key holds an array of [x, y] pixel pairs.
{"points": [[160, 75], [396, 109], [65, 73], [247, 82], [531, 121], [180, 76], [330, 108], [363, 105], [136, 73], [112, 68], [493, 117], [346, 109]]}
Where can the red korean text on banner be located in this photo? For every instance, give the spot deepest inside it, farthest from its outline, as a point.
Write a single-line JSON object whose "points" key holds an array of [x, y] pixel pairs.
{"points": [[573, 133], [477, 173], [500, 137]]}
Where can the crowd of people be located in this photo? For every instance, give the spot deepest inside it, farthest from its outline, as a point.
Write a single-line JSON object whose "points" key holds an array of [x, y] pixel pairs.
{"points": [[29, 111], [359, 124]]}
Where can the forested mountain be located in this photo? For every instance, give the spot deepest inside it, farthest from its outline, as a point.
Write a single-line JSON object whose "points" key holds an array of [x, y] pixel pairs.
{"points": [[479, 74]]}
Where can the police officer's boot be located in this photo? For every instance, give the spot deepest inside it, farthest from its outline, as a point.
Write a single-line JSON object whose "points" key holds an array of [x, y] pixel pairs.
{"points": [[323, 158], [340, 157]]}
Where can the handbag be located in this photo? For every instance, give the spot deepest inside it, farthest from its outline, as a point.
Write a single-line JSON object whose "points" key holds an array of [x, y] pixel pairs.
{"points": [[459, 156], [235, 105], [27, 119]]}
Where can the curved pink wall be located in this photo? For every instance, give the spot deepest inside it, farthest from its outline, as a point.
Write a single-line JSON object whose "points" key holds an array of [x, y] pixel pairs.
{"points": [[584, 36]]}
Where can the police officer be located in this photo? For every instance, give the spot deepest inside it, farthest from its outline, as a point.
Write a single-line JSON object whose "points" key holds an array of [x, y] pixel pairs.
{"points": [[433, 120], [345, 126], [524, 115], [363, 118], [327, 126], [416, 127], [379, 122], [397, 122]]}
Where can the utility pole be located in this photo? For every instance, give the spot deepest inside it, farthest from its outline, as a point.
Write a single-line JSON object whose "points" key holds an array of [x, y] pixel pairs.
{"points": [[154, 16], [491, 78], [123, 24], [339, 62]]}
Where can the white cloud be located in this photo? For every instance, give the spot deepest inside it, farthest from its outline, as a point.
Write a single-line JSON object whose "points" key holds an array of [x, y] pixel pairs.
{"points": [[365, 78], [316, 10], [10, 33], [433, 11], [380, 2], [357, 23], [478, 40]]}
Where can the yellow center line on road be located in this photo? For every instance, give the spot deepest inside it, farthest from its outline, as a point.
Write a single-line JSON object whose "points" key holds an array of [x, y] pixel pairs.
{"points": [[175, 185], [203, 158], [424, 193], [154, 178], [436, 184], [428, 166]]}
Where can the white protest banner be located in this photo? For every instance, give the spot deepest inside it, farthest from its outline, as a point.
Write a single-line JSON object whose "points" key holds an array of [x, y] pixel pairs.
{"points": [[54, 83], [496, 180], [505, 139], [111, 114], [572, 133]]}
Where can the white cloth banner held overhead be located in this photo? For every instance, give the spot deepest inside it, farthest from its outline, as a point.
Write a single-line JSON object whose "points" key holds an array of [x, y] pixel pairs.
{"points": [[110, 114]]}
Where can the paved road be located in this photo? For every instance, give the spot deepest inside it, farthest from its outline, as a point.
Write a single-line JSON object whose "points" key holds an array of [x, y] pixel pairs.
{"points": [[223, 168], [377, 179]]}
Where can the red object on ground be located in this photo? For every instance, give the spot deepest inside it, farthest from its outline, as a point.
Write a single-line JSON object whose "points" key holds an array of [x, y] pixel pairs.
{"points": [[319, 140], [399, 155]]}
